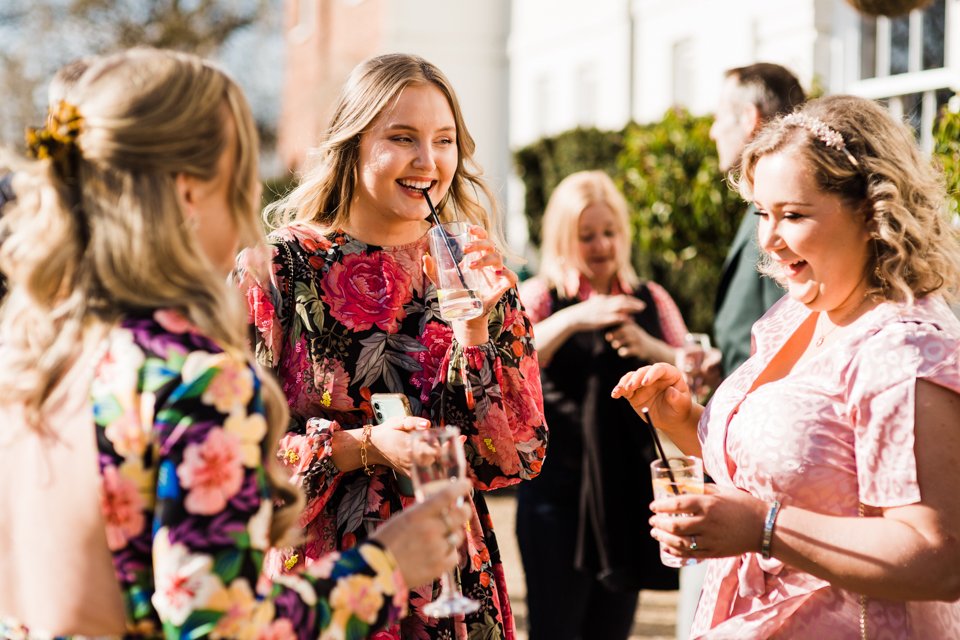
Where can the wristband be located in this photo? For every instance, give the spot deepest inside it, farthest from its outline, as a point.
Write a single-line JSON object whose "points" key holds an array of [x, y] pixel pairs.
{"points": [[768, 525]]}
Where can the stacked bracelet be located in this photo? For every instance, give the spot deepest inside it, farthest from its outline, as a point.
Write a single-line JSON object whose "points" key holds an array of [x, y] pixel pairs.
{"points": [[768, 525], [364, 441]]}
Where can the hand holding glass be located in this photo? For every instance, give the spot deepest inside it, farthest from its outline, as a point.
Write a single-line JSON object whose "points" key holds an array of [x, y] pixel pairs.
{"points": [[457, 283], [690, 359], [438, 458], [685, 475]]}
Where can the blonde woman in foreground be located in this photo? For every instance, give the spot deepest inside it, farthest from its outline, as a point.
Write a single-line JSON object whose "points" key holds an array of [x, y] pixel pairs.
{"points": [[835, 447], [139, 497]]}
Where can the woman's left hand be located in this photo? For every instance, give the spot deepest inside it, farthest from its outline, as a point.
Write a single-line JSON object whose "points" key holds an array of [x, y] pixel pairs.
{"points": [[495, 280], [722, 522]]}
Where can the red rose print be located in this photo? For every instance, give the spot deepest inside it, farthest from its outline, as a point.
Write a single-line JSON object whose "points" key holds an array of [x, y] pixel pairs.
{"points": [[366, 290]]}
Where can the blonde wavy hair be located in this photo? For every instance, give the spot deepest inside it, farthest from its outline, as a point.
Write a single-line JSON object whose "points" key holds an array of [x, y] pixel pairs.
{"points": [[892, 184], [328, 184], [561, 262], [83, 249]]}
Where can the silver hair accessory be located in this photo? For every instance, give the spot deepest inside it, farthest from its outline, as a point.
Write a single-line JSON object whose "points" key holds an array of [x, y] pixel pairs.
{"points": [[822, 131]]}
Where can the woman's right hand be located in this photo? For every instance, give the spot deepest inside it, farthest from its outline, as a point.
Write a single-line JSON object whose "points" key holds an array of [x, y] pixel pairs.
{"points": [[660, 388], [425, 538], [602, 311], [391, 441]]}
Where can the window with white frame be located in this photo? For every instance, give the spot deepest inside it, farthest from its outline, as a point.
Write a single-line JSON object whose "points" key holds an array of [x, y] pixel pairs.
{"points": [[906, 62]]}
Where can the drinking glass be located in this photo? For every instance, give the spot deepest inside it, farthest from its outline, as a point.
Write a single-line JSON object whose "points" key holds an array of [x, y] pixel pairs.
{"points": [[437, 459], [683, 475], [690, 362], [457, 282]]}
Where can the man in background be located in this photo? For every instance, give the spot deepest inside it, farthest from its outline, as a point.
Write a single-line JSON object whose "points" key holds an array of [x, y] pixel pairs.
{"points": [[750, 97]]}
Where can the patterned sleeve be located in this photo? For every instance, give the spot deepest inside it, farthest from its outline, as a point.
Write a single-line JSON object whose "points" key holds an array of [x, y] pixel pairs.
{"points": [[882, 403], [671, 320], [492, 392], [188, 508]]}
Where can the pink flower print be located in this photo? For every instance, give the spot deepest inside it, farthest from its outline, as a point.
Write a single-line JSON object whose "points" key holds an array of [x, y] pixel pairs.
{"points": [[522, 404], [294, 368], [184, 581], [307, 236], [127, 435], [212, 471], [122, 508], [333, 381], [366, 290], [295, 452], [278, 630], [496, 444], [357, 595], [230, 387], [436, 337], [262, 315]]}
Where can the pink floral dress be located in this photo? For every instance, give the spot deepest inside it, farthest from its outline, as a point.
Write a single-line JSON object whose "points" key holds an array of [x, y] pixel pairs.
{"points": [[834, 434], [338, 320], [181, 442]]}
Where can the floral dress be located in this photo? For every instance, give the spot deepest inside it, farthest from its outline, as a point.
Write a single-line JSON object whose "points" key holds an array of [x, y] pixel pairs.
{"points": [[181, 440], [339, 320], [835, 436]]}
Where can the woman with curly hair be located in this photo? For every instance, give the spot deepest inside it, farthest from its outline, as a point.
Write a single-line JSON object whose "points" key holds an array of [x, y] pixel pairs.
{"points": [[346, 309], [137, 435], [834, 447]]}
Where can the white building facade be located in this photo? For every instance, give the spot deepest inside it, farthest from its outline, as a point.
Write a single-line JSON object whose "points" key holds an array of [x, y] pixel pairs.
{"points": [[604, 62]]}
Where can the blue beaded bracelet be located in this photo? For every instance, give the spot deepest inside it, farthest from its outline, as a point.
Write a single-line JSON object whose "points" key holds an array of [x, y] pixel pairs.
{"points": [[768, 524]]}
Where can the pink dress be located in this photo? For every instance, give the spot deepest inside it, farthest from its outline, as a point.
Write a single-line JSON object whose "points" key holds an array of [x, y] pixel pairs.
{"points": [[835, 432]]}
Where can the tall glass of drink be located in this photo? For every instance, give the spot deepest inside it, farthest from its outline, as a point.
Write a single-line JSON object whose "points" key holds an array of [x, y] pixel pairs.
{"points": [[684, 475], [438, 459]]}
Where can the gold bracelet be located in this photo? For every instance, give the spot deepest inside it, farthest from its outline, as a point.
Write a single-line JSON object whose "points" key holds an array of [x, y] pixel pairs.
{"points": [[364, 441]]}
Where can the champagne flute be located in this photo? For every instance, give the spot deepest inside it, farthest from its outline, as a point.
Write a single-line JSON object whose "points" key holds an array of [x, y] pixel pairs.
{"points": [[690, 362], [437, 459]]}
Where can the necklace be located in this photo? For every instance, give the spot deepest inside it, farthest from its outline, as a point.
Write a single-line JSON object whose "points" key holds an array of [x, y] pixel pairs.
{"points": [[823, 336]]}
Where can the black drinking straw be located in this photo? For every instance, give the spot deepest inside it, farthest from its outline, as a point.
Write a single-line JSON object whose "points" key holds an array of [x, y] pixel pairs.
{"points": [[663, 456], [447, 241]]}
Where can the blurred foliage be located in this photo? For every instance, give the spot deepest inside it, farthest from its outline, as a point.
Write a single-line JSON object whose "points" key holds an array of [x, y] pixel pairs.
{"points": [[543, 164], [946, 150], [683, 214]]}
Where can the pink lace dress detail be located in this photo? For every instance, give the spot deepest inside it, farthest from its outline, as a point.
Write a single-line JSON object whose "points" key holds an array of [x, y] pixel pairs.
{"points": [[836, 432]]}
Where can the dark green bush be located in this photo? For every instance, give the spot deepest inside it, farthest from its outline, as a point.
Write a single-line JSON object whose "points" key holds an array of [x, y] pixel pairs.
{"points": [[543, 164], [946, 135], [683, 212]]}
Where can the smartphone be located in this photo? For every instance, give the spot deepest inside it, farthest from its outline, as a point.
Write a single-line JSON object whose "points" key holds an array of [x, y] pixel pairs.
{"points": [[387, 405]]}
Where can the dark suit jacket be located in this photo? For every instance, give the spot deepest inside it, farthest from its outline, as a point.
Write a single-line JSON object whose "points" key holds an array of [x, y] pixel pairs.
{"points": [[743, 295]]}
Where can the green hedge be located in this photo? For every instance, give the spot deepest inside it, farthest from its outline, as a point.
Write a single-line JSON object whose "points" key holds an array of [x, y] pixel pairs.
{"points": [[683, 213], [947, 151]]}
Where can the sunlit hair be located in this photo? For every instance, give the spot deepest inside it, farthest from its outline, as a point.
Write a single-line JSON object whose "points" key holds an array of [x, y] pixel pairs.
{"points": [[561, 263], [771, 88], [893, 185], [328, 184], [85, 249]]}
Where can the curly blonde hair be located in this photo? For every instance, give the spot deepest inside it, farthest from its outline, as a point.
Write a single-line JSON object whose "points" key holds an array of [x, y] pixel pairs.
{"points": [[328, 184], [900, 193], [84, 248]]}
